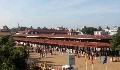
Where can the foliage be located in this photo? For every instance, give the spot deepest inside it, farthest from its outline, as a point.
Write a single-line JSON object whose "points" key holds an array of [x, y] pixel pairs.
{"points": [[89, 30], [115, 42], [118, 29], [11, 58], [7, 65], [18, 56], [100, 28], [108, 28], [10, 42], [34, 67], [3, 40]]}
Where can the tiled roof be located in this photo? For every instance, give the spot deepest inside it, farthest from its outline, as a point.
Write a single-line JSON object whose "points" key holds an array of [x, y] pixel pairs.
{"points": [[69, 36], [66, 43], [49, 31]]}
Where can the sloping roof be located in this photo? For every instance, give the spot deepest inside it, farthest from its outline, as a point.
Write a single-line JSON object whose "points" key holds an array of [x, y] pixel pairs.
{"points": [[68, 36], [66, 43], [50, 31]]}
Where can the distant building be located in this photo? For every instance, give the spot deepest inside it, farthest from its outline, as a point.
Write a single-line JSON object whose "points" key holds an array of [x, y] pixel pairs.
{"points": [[74, 32], [111, 32], [42, 31], [61, 28], [5, 31], [45, 30], [106, 31], [100, 32]]}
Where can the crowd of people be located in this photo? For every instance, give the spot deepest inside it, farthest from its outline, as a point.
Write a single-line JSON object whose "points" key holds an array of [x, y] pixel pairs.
{"points": [[44, 51]]}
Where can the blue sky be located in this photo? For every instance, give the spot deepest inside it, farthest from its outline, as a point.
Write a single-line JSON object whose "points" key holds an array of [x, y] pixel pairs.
{"points": [[54, 13]]}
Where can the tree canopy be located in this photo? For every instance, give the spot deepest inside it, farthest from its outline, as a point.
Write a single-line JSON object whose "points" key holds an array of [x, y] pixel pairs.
{"points": [[88, 30], [108, 28], [118, 29], [100, 28], [11, 58], [115, 42]]}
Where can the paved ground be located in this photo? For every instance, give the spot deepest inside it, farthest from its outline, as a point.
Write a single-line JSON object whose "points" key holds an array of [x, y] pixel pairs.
{"points": [[59, 59]]}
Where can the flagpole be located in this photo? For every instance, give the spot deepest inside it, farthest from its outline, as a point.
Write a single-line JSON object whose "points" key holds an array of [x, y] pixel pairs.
{"points": [[86, 64], [106, 67], [86, 60], [100, 61], [106, 60], [99, 67], [92, 61], [92, 66]]}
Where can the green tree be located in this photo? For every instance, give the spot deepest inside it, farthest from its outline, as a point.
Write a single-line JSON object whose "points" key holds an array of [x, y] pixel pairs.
{"points": [[7, 65], [88, 30], [11, 58], [3, 40], [118, 29], [10, 42], [19, 56], [115, 43], [108, 28], [100, 28]]}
